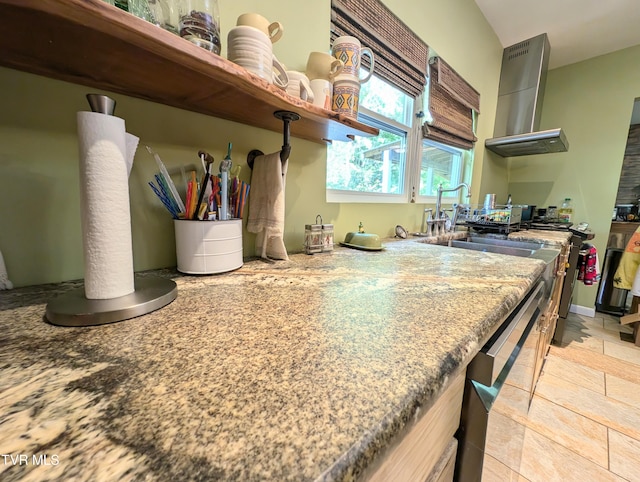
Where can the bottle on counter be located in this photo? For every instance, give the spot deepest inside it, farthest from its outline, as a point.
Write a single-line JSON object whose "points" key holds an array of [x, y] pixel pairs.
{"points": [[566, 211]]}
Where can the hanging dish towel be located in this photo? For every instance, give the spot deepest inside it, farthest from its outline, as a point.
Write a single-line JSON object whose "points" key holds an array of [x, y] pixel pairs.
{"points": [[266, 205], [628, 268], [588, 264]]}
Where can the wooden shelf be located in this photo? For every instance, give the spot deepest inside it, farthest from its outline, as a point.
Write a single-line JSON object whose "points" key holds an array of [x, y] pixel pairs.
{"points": [[92, 43]]}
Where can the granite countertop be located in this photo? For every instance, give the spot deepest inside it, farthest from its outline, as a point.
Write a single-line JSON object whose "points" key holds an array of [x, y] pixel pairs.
{"points": [[301, 370], [550, 238]]}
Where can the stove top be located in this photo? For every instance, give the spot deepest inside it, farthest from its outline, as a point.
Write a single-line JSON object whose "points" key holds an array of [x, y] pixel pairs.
{"points": [[548, 226], [580, 230]]}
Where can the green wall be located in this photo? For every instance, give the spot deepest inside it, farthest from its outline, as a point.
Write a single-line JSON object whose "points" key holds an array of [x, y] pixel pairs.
{"points": [[592, 101], [39, 197], [40, 235]]}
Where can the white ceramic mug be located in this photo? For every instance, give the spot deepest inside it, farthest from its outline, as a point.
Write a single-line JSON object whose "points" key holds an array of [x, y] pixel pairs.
{"points": [[252, 49], [273, 30], [322, 92], [350, 51], [263, 64], [321, 65], [279, 77], [299, 86]]}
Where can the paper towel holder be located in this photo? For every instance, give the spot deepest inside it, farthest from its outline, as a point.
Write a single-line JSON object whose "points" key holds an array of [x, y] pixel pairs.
{"points": [[74, 309], [285, 116], [150, 293], [101, 103]]}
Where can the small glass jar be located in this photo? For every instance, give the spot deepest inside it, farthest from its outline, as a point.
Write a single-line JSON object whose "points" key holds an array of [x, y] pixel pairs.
{"points": [[166, 14], [139, 8], [199, 22]]}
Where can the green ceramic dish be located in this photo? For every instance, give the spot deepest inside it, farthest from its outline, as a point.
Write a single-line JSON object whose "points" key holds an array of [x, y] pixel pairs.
{"points": [[367, 241]]}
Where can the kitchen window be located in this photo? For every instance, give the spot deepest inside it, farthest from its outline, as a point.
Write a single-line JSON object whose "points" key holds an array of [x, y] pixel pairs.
{"points": [[375, 169], [439, 164], [410, 157], [385, 168]]}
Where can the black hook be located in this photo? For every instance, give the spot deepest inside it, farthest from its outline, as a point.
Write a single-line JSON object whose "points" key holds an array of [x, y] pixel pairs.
{"points": [[286, 117]]}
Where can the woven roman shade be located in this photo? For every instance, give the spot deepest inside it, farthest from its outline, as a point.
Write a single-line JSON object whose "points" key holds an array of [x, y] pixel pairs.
{"points": [[451, 103], [399, 54]]}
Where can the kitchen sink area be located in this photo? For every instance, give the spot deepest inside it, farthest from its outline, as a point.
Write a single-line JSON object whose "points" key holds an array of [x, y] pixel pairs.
{"points": [[523, 249], [496, 245]]}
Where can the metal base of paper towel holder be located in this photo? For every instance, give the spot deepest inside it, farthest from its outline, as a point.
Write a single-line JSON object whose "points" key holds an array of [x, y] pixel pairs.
{"points": [[74, 309]]}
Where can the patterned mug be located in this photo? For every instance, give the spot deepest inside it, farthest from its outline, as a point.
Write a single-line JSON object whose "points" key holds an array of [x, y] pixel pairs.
{"points": [[350, 51], [346, 96]]}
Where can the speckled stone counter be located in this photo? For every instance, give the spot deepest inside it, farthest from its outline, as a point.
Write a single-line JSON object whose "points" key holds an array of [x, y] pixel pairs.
{"points": [[551, 238], [442, 238], [301, 370]]}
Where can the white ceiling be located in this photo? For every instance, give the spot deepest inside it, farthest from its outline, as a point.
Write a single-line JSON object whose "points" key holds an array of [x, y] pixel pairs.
{"points": [[577, 29]]}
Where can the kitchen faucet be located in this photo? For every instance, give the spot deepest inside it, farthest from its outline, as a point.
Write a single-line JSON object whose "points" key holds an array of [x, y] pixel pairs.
{"points": [[439, 214]]}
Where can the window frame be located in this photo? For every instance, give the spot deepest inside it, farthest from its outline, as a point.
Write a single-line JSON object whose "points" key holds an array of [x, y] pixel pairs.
{"points": [[413, 160], [413, 134], [461, 167], [370, 117]]}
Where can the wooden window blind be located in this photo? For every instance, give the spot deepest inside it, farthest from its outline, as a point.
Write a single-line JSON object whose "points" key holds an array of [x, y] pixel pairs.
{"points": [[400, 56], [452, 102]]}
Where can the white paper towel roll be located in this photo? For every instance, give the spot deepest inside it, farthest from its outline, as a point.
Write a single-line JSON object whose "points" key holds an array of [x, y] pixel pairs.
{"points": [[132, 145], [104, 198]]}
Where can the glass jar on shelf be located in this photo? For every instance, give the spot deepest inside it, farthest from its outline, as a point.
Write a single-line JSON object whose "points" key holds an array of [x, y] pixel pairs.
{"points": [[139, 8], [166, 14], [199, 22]]}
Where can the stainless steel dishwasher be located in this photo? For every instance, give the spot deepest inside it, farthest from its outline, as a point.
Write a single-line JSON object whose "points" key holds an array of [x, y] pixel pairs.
{"points": [[499, 384]]}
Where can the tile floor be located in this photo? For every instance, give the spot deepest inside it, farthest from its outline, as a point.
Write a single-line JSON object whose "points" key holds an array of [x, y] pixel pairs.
{"points": [[584, 420]]}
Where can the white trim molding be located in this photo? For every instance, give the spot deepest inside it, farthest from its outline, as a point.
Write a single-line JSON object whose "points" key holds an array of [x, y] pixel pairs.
{"points": [[583, 310]]}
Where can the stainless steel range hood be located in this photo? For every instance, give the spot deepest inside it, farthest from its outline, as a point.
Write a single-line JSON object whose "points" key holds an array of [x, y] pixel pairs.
{"points": [[522, 82]]}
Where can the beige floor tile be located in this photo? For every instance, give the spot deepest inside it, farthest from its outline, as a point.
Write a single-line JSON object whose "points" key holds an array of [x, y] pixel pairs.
{"points": [[580, 320], [613, 323], [593, 329], [575, 372], [513, 402], [565, 427], [625, 455], [627, 351], [597, 319], [494, 471], [505, 439], [569, 429], [601, 362], [599, 408], [575, 338], [521, 376], [585, 416], [622, 390], [547, 461]]}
